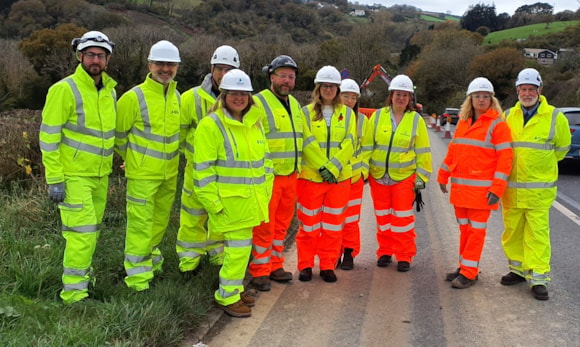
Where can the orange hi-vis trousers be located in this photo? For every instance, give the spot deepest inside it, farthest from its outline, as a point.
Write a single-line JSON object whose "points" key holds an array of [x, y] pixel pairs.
{"points": [[351, 230], [321, 211], [268, 238], [395, 218], [472, 225]]}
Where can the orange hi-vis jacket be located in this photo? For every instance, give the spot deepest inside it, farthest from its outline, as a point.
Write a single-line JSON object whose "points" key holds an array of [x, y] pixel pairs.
{"points": [[478, 160]]}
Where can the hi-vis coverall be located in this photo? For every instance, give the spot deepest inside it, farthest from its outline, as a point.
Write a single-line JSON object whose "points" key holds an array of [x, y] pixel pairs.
{"points": [[77, 136], [400, 153], [233, 179], [289, 141], [148, 125], [538, 146], [322, 205], [360, 172], [193, 239], [478, 160]]}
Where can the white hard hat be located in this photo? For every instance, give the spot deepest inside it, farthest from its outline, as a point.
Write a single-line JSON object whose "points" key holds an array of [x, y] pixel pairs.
{"points": [[236, 79], [327, 74], [402, 82], [529, 76], [480, 84], [349, 86], [164, 51], [226, 55], [92, 39]]}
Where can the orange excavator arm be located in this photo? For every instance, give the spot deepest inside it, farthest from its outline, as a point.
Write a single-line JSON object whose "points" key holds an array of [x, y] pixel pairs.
{"points": [[377, 70]]}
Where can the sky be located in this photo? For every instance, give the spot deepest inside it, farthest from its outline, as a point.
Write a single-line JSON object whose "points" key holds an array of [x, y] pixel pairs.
{"points": [[459, 7]]}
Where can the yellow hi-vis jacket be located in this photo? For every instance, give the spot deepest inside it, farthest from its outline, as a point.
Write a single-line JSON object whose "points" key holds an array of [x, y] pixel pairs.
{"points": [[77, 133], [363, 147], [336, 140], [233, 174], [289, 138], [195, 103], [538, 146], [401, 152], [148, 125]]}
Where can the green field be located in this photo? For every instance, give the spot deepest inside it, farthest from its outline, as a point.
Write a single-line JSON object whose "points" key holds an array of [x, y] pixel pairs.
{"points": [[526, 31], [430, 18]]}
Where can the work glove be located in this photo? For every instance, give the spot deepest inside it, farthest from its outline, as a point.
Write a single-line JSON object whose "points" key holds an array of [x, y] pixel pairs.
{"points": [[418, 200], [56, 192], [419, 183], [327, 176], [492, 199]]}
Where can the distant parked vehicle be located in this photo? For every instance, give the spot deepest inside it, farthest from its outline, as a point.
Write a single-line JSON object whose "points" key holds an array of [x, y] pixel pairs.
{"points": [[573, 115], [449, 113]]}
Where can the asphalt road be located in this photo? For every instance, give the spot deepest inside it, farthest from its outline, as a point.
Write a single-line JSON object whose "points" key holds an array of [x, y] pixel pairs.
{"points": [[372, 306]]}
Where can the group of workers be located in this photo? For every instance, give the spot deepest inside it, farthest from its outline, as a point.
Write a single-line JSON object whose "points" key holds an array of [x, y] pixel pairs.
{"points": [[255, 160]]}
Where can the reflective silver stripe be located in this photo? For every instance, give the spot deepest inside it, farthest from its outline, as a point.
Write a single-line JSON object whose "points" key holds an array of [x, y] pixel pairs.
{"points": [[276, 254], [80, 111], [336, 163], [229, 282], [284, 155], [354, 202], [332, 144], [48, 147], [423, 150], [311, 228], [271, 121], [533, 145], [137, 258], [444, 167], [238, 243], [278, 242], [260, 249], [567, 148], [308, 141], [472, 142], [86, 147], [477, 225], [332, 227], [50, 129], [335, 211], [216, 251], [471, 182], [469, 263], [462, 221], [502, 146], [157, 259], [385, 227], [75, 272], [501, 176], [261, 261], [352, 219], [186, 244], [307, 211], [512, 184], [90, 132], [71, 205], [204, 182], [306, 115], [515, 263], [403, 165], [194, 211], [403, 229], [197, 97], [137, 200], [405, 213], [424, 172], [146, 134], [381, 213], [283, 135], [225, 294], [152, 153], [188, 254], [77, 286], [81, 228], [139, 270]]}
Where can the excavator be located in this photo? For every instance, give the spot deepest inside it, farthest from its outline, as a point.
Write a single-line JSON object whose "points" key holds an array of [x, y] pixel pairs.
{"points": [[380, 71]]}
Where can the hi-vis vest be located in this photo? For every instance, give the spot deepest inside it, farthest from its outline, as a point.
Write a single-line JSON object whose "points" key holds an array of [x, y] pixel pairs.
{"points": [[362, 149], [77, 134], [148, 125], [336, 141], [538, 146], [401, 152], [289, 138], [233, 174], [195, 103]]}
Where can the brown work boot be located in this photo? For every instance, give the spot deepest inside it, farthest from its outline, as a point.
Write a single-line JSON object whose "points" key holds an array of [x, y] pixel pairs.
{"points": [[237, 309], [261, 283], [281, 275], [248, 299]]}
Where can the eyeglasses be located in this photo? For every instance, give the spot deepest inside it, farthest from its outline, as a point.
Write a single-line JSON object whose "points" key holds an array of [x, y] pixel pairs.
{"points": [[221, 68], [481, 97], [328, 86], [284, 76], [91, 55], [349, 97], [165, 63], [238, 94]]}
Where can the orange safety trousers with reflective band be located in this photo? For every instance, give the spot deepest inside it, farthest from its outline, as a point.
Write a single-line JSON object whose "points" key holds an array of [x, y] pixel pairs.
{"points": [[268, 238], [321, 211], [395, 218], [472, 225], [351, 230]]}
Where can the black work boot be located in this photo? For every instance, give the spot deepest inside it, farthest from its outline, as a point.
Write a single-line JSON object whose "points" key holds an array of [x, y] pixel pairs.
{"points": [[261, 283], [384, 261], [512, 278], [347, 260]]}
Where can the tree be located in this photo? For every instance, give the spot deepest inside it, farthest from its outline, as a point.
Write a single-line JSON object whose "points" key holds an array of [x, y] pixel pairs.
{"points": [[479, 15], [537, 8]]}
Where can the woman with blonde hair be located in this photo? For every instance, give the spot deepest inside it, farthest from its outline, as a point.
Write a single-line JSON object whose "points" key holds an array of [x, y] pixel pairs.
{"points": [[476, 185]]}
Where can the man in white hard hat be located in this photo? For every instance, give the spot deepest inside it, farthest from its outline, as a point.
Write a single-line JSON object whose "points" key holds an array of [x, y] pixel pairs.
{"points": [[541, 138], [148, 126], [193, 240], [77, 136]]}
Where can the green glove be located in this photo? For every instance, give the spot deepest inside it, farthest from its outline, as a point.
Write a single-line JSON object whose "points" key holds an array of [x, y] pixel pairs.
{"points": [[327, 176], [419, 183]]}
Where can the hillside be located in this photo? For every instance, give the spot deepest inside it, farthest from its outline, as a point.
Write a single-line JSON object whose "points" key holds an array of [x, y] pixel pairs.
{"points": [[524, 32]]}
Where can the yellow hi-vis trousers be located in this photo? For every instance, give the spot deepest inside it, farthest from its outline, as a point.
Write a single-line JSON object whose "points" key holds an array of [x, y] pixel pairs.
{"points": [[81, 214], [193, 239], [237, 250], [148, 208]]}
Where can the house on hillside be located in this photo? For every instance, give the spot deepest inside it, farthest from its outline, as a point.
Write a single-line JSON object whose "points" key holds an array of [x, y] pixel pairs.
{"points": [[357, 13], [542, 56]]}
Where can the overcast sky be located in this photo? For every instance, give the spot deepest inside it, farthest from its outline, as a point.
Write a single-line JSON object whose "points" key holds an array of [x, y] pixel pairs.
{"points": [[459, 7]]}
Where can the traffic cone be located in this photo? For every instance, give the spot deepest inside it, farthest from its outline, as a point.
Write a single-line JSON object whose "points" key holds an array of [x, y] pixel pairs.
{"points": [[438, 126], [447, 134]]}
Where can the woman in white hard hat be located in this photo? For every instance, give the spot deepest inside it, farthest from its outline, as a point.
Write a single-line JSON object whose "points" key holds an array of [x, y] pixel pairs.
{"points": [[323, 191], [476, 185], [233, 177], [400, 165], [350, 93]]}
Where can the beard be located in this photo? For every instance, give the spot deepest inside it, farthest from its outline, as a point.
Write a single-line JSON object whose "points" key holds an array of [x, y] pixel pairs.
{"points": [[529, 103], [282, 92], [94, 69]]}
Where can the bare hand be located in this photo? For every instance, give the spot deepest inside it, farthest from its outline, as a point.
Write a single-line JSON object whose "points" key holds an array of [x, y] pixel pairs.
{"points": [[443, 187]]}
